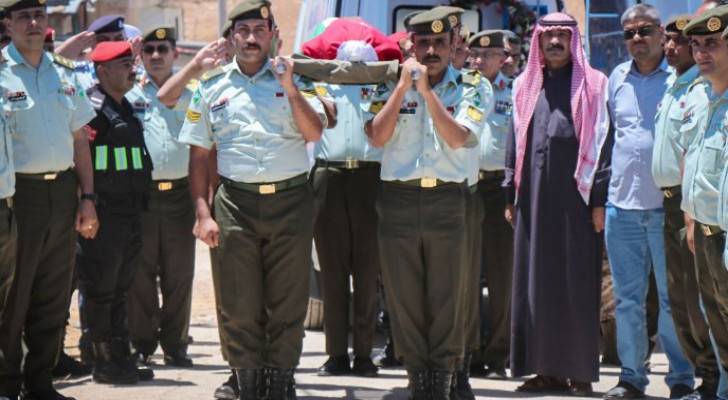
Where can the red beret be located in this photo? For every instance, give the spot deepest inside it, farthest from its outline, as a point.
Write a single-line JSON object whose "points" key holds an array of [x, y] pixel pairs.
{"points": [[107, 51], [50, 35]]}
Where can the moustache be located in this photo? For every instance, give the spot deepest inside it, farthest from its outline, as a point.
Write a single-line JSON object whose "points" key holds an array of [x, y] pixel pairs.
{"points": [[555, 47], [251, 47], [431, 58]]}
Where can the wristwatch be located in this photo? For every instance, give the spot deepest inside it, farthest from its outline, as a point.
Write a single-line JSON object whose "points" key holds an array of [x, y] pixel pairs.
{"points": [[93, 197]]}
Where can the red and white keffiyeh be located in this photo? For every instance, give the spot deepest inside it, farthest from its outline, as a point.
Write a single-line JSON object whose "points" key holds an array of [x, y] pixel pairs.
{"points": [[588, 102]]}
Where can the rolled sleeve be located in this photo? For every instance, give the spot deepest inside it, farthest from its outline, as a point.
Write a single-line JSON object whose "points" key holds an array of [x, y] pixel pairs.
{"points": [[196, 130], [83, 111], [472, 115]]}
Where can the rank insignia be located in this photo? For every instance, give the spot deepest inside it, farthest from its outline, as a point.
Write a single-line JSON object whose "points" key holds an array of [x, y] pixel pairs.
{"points": [[376, 107], [475, 114], [193, 116]]}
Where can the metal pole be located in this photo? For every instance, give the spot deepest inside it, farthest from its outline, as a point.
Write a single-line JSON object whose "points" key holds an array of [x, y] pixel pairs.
{"points": [[221, 14]]}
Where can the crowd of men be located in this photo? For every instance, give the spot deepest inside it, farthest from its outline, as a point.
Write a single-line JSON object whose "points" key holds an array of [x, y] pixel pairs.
{"points": [[438, 169]]}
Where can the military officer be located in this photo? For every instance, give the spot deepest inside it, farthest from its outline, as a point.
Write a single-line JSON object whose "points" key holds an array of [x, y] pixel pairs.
{"points": [[107, 28], [704, 119], [264, 205], [667, 158], [122, 175], [46, 110], [168, 245], [488, 56], [425, 126]]}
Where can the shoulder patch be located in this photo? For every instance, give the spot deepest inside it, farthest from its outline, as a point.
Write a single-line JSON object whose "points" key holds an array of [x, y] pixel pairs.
{"points": [[321, 91], [211, 74], [193, 85], [376, 107], [471, 78], [64, 62]]}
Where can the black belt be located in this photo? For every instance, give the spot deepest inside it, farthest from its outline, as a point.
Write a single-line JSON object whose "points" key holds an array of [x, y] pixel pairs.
{"points": [[710, 230], [348, 164], [488, 175], [425, 183], [671, 192], [163, 186], [267, 188], [45, 176]]}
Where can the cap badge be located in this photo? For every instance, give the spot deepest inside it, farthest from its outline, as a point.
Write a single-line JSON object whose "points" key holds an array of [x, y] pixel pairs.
{"points": [[437, 26], [264, 12], [681, 24], [714, 24], [453, 19], [485, 41], [160, 33]]}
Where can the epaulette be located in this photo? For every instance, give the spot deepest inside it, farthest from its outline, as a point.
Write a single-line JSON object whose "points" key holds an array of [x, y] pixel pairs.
{"points": [[211, 74], [64, 62], [96, 97], [699, 80], [192, 85], [471, 78]]}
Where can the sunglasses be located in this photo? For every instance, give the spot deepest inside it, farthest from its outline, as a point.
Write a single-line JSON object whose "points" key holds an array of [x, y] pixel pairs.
{"points": [[161, 49], [643, 31]]}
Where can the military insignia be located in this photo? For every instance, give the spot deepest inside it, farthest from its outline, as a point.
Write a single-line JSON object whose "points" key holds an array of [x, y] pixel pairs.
{"points": [[64, 62], [67, 90], [503, 107], [196, 97], [681, 23], [714, 24], [366, 93], [321, 91], [281, 94], [485, 41], [193, 116], [90, 132], [160, 33], [475, 114], [376, 107], [16, 96], [451, 110], [140, 106], [687, 117], [305, 93], [453, 19], [264, 12], [477, 100], [437, 26], [219, 105]]}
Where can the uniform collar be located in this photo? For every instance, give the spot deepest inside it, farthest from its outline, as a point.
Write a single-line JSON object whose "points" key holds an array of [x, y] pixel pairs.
{"points": [[13, 57], [449, 79], [714, 98], [688, 76]]}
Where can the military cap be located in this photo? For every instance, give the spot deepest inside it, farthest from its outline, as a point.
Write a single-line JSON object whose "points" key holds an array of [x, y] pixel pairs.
{"points": [[108, 51], [677, 24], [250, 9], [160, 33], [708, 22], [409, 16], [488, 39], [431, 21], [454, 14], [107, 24], [8, 6]]}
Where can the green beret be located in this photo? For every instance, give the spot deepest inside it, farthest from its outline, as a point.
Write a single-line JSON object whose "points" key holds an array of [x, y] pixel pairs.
{"points": [[678, 23], [250, 9], [436, 20], [708, 23], [8, 6], [490, 39], [160, 33]]}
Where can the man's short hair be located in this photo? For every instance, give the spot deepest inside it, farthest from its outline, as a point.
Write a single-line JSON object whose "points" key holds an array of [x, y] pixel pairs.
{"points": [[512, 38], [645, 11]]}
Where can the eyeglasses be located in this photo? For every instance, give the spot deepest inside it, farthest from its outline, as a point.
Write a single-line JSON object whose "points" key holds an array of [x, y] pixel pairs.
{"points": [[162, 49], [643, 31]]}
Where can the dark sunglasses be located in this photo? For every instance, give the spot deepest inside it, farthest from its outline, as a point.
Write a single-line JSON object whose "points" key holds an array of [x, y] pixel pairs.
{"points": [[161, 49], [643, 31]]}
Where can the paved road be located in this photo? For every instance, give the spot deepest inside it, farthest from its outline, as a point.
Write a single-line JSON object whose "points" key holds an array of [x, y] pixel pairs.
{"points": [[210, 370]]}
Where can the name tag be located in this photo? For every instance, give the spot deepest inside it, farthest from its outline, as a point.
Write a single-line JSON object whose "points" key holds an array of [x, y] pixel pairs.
{"points": [[219, 105], [16, 96], [408, 108], [140, 107]]}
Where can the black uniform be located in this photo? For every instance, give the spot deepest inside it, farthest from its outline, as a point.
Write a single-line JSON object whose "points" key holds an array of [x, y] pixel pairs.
{"points": [[122, 175]]}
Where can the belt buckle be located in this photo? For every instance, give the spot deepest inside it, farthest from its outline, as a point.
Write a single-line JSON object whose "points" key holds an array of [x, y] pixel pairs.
{"points": [[267, 189], [481, 175], [668, 193], [706, 230], [50, 177], [351, 163], [164, 186], [428, 182], [9, 201]]}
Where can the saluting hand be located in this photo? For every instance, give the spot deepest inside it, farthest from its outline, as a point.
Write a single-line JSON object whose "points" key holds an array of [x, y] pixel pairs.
{"points": [[72, 47], [87, 223], [212, 55], [207, 230]]}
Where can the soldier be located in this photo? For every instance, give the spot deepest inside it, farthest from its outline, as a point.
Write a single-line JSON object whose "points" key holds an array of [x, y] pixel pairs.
{"points": [[667, 159], [512, 63], [488, 55], [704, 121], [168, 245], [122, 174], [46, 110], [425, 131], [264, 205]]}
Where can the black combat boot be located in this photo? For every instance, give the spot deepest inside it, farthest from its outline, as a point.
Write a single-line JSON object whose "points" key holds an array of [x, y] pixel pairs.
{"points": [[106, 370], [122, 355], [419, 384], [441, 381], [249, 383], [279, 384], [460, 388]]}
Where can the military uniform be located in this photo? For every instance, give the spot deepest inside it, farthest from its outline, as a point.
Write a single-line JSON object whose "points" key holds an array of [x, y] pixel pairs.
{"points": [[168, 245], [670, 146], [346, 178], [264, 209], [85, 72], [706, 121], [8, 228], [422, 212], [44, 107]]}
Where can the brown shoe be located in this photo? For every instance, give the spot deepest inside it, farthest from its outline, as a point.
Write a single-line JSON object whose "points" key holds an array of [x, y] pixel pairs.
{"points": [[543, 384], [580, 389]]}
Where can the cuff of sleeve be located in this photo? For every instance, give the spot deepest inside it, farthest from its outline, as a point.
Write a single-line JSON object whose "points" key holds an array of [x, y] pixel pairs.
{"points": [[472, 140], [205, 144]]}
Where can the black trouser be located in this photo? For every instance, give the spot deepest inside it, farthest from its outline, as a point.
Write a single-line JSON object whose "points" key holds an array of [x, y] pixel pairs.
{"points": [[38, 300], [263, 263], [346, 241], [497, 268], [8, 246], [684, 294], [713, 283], [168, 254], [107, 266], [471, 278], [422, 245]]}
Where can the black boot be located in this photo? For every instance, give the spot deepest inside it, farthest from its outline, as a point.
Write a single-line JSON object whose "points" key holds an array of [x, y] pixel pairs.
{"points": [[249, 383], [229, 389], [279, 384], [460, 388], [441, 382], [419, 384], [106, 370], [121, 353]]}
